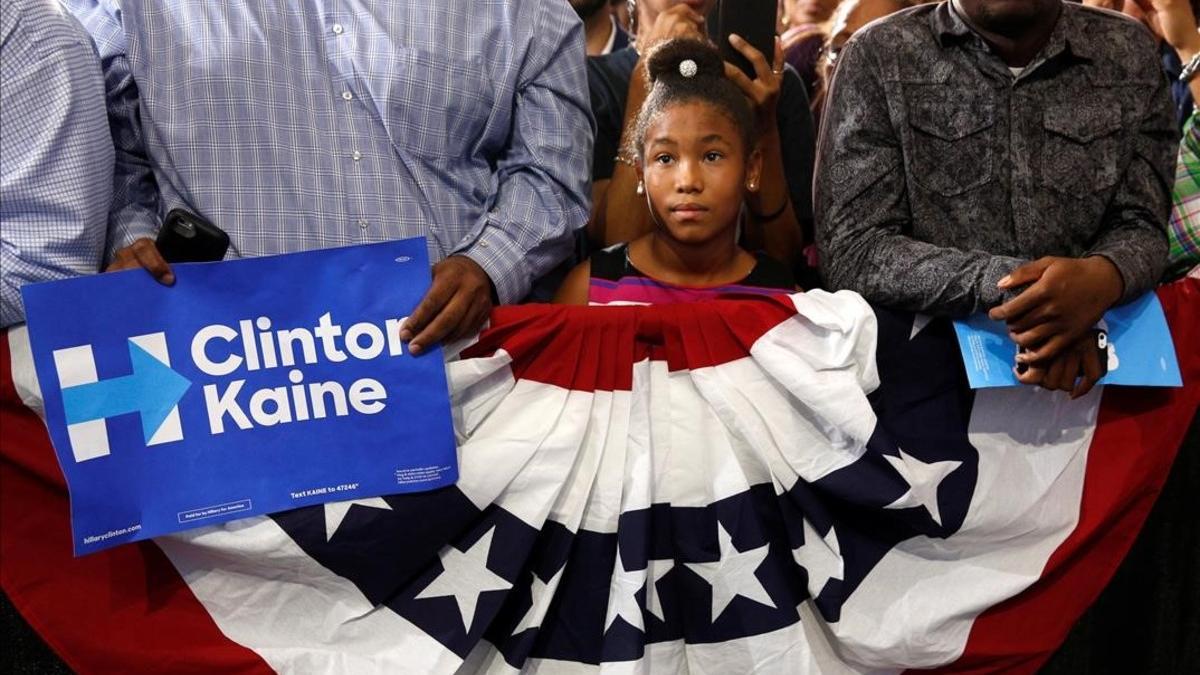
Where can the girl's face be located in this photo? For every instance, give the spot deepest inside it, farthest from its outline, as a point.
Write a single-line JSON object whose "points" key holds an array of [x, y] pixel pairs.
{"points": [[696, 171]]}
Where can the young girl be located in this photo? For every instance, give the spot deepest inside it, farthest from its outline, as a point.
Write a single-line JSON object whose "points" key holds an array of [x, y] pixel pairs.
{"points": [[696, 158]]}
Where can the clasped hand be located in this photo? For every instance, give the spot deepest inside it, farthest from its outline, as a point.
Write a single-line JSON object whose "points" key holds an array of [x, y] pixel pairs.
{"points": [[1053, 316]]}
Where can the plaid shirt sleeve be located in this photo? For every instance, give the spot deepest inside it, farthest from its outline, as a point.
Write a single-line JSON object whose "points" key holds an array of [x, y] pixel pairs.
{"points": [[134, 210], [1184, 230], [56, 173], [544, 190]]}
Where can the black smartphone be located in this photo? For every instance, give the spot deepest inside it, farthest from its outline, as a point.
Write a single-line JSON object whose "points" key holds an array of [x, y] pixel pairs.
{"points": [[753, 20], [187, 237]]}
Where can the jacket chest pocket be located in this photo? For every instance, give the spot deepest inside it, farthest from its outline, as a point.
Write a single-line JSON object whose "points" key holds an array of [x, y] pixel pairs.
{"points": [[1081, 148], [952, 144]]}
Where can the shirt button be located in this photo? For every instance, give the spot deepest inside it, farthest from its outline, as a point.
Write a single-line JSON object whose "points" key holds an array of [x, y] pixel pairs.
{"points": [[483, 244], [362, 223], [347, 95], [356, 155], [337, 29]]}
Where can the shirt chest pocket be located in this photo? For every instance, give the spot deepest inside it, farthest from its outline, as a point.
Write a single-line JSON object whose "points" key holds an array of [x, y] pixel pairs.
{"points": [[435, 106], [952, 145], [1081, 148]]}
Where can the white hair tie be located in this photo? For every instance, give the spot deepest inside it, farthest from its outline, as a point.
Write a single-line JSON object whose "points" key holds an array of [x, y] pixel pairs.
{"points": [[687, 68]]}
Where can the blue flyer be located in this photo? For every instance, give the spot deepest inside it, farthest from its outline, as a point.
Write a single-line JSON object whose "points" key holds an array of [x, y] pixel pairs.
{"points": [[1140, 349], [249, 387]]}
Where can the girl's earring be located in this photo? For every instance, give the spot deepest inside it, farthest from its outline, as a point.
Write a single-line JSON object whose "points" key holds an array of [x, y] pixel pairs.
{"points": [[641, 188], [752, 186]]}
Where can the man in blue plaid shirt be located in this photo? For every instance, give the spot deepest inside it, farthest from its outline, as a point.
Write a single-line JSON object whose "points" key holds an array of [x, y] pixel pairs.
{"points": [[56, 156], [320, 123]]}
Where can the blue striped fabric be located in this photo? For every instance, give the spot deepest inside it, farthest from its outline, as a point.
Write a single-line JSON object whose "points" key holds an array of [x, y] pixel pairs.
{"points": [[56, 155], [301, 124]]}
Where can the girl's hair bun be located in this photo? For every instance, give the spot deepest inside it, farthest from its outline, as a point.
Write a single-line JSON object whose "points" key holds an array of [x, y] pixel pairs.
{"points": [[684, 70], [684, 58]]}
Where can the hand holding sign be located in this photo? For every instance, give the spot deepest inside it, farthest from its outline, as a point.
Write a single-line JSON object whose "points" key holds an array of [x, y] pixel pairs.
{"points": [[457, 304], [143, 253]]}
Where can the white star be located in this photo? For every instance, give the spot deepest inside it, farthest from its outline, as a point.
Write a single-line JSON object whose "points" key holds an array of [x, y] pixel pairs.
{"points": [[621, 602], [542, 593], [733, 574], [465, 575], [655, 570], [924, 480], [920, 321], [820, 556], [335, 512]]}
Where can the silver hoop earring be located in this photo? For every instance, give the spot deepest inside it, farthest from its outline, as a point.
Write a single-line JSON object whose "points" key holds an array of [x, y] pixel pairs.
{"points": [[641, 189]]}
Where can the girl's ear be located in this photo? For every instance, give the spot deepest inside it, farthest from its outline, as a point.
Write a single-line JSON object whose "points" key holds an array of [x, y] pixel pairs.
{"points": [[754, 164]]}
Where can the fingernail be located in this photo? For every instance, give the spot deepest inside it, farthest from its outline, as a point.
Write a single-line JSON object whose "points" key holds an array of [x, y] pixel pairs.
{"points": [[735, 38], [1004, 282], [414, 348], [169, 279], [406, 334]]}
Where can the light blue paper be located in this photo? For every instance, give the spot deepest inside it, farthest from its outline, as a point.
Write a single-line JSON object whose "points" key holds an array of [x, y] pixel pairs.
{"points": [[1140, 349]]}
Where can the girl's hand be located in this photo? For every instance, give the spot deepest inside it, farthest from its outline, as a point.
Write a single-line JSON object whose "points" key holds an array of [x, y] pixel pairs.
{"points": [[763, 91]]}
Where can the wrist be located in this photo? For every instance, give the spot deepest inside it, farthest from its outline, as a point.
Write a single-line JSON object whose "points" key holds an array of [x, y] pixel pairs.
{"points": [[1114, 287], [1188, 48]]}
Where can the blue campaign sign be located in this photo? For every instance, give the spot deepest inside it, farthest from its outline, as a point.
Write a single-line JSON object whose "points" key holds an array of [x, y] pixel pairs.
{"points": [[248, 387], [1140, 349]]}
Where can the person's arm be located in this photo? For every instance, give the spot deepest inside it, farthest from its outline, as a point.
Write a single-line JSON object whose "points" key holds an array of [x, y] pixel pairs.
{"points": [[862, 210], [542, 192], [56, 173], [1184, 231], [574, 289], [773, 225], [622, 214], [133, 214], [1065, 297], [1134, 237], [1177, 23], [608, 115]]}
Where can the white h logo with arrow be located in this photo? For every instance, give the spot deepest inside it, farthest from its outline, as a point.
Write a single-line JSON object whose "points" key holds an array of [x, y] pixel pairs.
{"points": [[152, 390]]}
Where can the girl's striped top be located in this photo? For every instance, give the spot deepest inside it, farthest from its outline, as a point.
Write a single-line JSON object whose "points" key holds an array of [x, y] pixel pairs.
{"points": [[615, 281]]}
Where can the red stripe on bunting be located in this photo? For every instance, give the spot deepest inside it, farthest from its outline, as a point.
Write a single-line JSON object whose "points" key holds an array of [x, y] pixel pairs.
{"points": [[1138, 433], [548, 340], [122, 610]]}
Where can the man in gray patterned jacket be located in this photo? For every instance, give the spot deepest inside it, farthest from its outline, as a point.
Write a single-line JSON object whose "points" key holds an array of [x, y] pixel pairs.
{"points": [[1006, 155]]}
